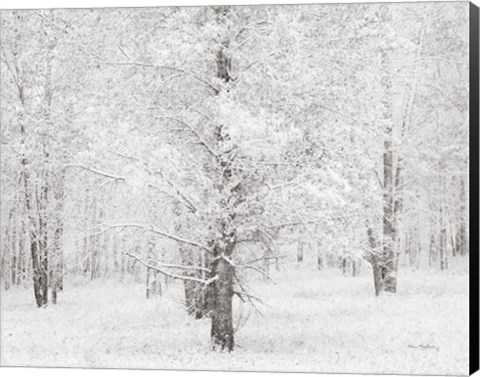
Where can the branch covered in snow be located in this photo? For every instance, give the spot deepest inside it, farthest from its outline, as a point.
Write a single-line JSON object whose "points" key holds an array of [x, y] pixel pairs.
{"points": [[260, 271], [161, 233], [201, 140], [169, 274], [98, 172], [187, 201], [180, 267], [157, 66]]}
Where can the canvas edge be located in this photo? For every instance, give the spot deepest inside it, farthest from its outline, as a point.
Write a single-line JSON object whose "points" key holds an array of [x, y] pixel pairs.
{"points": [[474, 188]]}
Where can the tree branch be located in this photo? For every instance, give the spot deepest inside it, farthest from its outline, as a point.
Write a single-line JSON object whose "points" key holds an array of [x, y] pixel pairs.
{"points": [[168, 265], [190, 127], [187, 202], [259, 271], [173, 276], [95, 171], [161, 233], [171, 68]]}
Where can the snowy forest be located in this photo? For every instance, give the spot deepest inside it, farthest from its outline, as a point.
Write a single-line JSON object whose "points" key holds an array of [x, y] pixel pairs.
{"points": [[279, 188]]}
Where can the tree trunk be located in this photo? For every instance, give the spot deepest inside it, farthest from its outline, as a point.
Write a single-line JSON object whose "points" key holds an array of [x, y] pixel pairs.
{"points": [[56, 259], [413, 249], [432, 257], [13, 249], [320, 261], [56, 270], [343, 265], [38, 242], [374, 258], [377, 277], [93, 244], [153, 284], [123, 263], [300, 247], [320, 257], [356, 264], [86, 239], [221, 294], [443, 249], [40, 274], [5, 259], [54, 295], [388, 266], [222, 315], [461, 234], [389, 273]]}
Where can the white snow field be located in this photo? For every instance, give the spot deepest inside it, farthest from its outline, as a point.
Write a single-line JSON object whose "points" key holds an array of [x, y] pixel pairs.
{"points": [[314, 321]]}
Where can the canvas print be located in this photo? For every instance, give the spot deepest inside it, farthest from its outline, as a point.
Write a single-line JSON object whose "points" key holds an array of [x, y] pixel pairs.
{"points": [[247, 188]]}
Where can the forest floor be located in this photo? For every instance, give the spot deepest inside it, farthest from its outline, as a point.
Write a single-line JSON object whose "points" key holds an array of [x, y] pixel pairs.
{"points": [[313, 321]]}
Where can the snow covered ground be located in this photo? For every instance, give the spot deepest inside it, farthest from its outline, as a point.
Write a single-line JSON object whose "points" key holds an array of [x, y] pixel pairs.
{"points": [[314, 321]]}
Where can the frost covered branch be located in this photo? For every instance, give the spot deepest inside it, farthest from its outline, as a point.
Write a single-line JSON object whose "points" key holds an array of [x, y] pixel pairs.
{"points": [[156, 66], [98, 172], [192, 129], [161, 233], [260, 271], [169, 274], [188, 202]]}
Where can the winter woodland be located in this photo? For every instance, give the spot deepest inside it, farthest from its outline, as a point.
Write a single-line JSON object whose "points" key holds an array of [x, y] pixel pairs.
{"points": [[242, 188]]}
